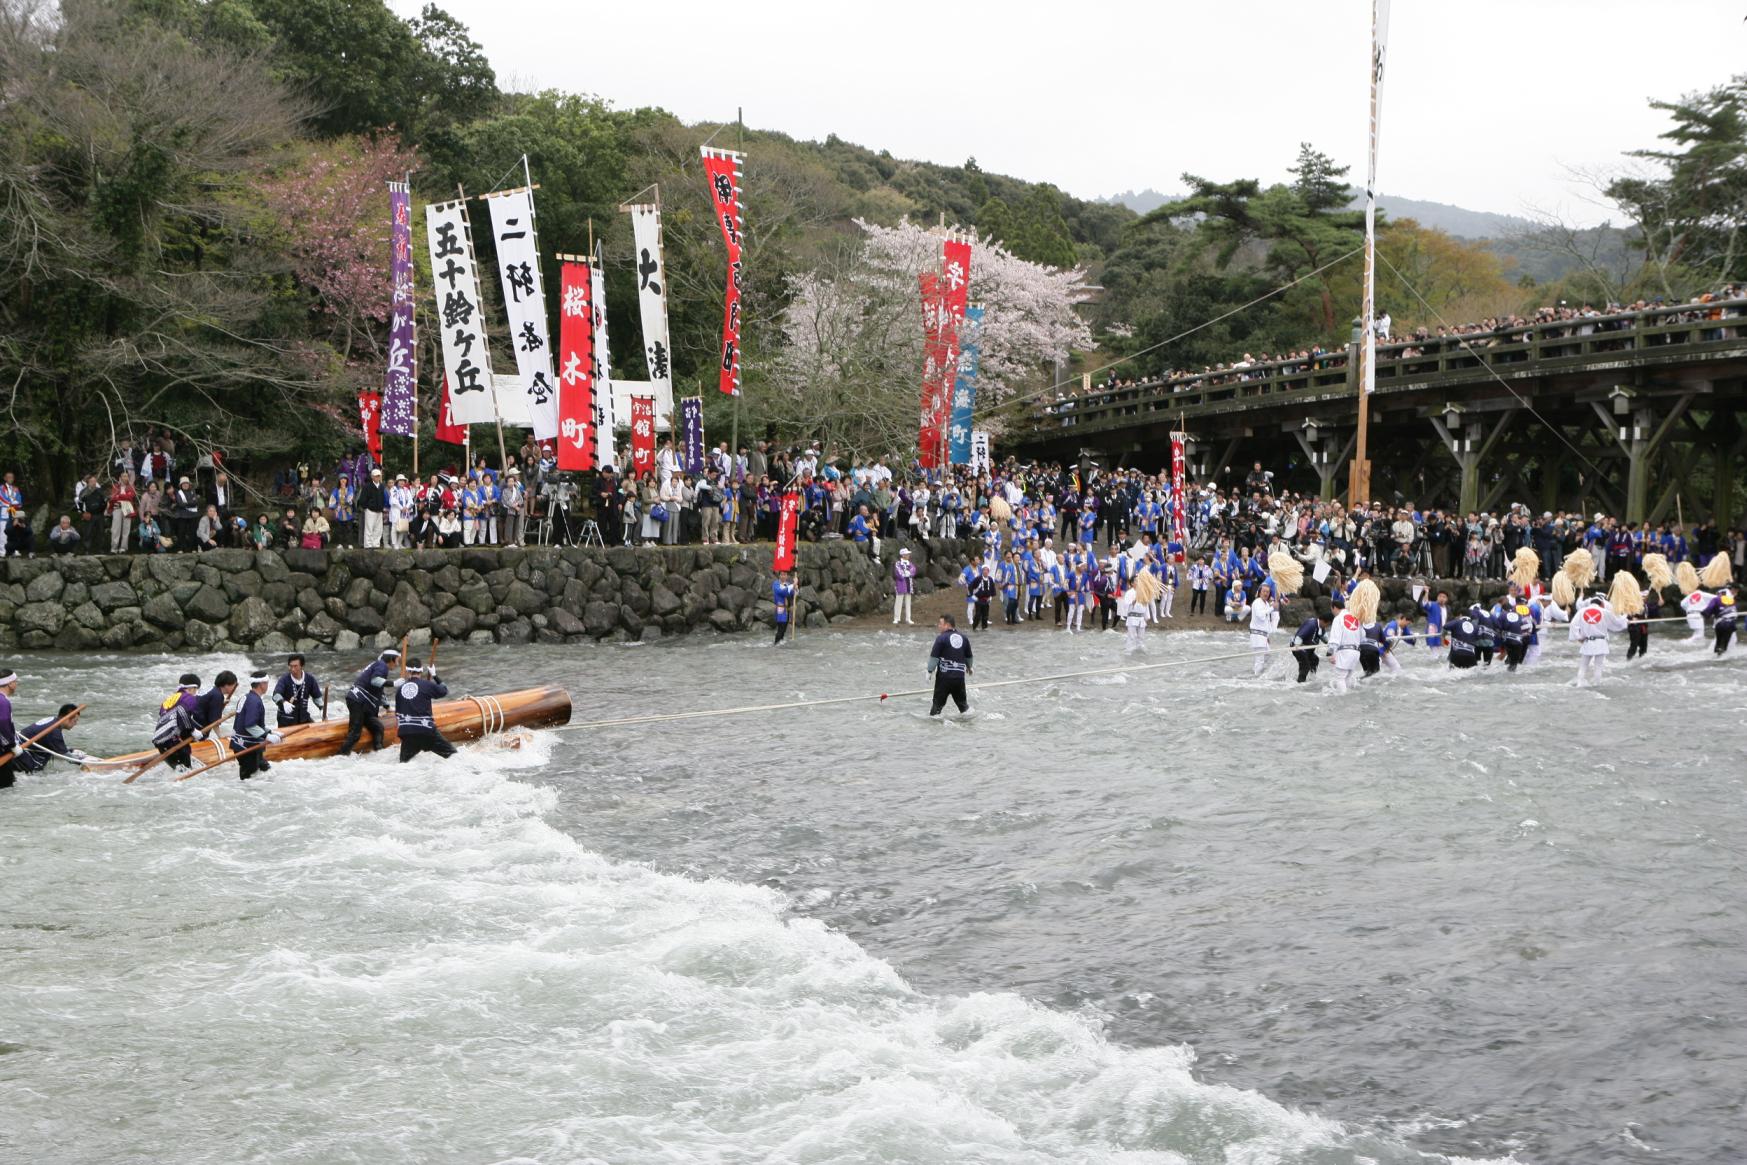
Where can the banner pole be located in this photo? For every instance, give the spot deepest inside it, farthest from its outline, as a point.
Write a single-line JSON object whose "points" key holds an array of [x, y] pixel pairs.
{"points": [[413, 311]]}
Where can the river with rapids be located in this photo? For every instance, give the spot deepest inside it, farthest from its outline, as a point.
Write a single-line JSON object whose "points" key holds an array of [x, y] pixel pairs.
{"points": [[1168, 916]]}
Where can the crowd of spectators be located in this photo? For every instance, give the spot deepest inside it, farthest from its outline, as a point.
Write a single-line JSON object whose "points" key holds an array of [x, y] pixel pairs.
{"points": [[1553, 322]]}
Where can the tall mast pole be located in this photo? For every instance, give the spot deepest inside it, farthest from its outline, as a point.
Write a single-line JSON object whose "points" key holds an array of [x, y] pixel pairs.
{"points": [[1359, 483]]}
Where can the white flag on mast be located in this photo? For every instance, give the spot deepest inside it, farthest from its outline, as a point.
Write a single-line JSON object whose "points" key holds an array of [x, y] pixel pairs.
{"points": [[604, 418], [461, 317], [524, 300]]}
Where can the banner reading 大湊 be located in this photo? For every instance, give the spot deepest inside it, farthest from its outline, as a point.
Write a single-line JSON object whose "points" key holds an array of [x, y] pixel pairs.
{"points": [[964, 392]]}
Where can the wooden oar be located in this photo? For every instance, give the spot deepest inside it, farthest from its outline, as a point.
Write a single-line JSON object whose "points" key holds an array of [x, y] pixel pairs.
{"points": [[431, 663], [403, 640], [224, 760], [19, 749], [153, 763], [326, 690]]}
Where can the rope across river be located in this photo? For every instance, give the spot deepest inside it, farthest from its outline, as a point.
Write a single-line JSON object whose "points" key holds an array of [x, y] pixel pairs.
{"points": [[881, 697]]}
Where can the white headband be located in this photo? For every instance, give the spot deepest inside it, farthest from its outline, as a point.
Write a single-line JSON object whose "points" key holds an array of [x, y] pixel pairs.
{"points": [[257, 678], [9, 678]]}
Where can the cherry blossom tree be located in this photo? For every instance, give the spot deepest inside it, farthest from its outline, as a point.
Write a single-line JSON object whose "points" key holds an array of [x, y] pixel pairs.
{"points": [[332, 202], [851, 365]]}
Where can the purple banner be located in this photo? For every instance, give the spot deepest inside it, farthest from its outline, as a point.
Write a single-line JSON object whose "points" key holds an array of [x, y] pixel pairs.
{"points": [[691, 424], [399, 383]]}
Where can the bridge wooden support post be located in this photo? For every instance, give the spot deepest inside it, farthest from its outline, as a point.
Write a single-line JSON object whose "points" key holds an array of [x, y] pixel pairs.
{"points": [[1725, 457], [1631, 425], [1469, 443], [1318, 445]]}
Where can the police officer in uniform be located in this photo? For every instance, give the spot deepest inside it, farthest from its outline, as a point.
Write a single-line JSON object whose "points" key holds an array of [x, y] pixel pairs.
{"points": [[250, 729], [412, 712], [366, 698], [51, 747], [294, 693], [950, 663]]}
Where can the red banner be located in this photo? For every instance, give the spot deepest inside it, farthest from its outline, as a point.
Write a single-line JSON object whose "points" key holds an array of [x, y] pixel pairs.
{"points": [[722, 167], [933, 362], [1179, 513], [955, 290], [370, 417], [576, 435], [642, 435], [447, 429], [787, 521]]}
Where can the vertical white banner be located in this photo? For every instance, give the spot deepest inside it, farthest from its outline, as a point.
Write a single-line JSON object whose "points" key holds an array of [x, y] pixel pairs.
{"points": [[652, 304], [604, 411], [980, 455], [524, 301], [512, 400], [455, 282]]}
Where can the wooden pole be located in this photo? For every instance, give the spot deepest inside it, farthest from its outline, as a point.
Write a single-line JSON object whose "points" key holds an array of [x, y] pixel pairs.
{"points": [[153, 763], [19, 750], [327, 690], [224, 760], [413, 312]]}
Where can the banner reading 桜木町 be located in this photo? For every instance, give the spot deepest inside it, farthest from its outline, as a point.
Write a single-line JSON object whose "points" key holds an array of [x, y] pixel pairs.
{"points": [[722, 168], [460, 318], [576, 436], [400, 379], [788, 519], [642, 435]]}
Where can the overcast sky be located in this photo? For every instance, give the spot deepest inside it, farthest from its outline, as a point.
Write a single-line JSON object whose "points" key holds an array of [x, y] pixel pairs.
{"points": [[1490, 104]]}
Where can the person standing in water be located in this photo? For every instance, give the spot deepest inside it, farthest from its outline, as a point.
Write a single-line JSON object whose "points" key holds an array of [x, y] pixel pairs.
{"points": [[949, 661]]}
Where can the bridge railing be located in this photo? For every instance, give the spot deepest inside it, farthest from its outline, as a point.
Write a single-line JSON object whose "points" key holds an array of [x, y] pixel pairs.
{"points": [[1558, 345]]}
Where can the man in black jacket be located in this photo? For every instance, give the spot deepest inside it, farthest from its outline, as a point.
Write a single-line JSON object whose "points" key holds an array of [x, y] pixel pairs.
{"points": [[372, 504]]}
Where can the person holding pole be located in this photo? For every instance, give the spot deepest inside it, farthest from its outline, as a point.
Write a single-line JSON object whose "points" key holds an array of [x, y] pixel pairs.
{"points": [[50, 744], [366, 698], [8, 734], [177, 727], [250, 728]]}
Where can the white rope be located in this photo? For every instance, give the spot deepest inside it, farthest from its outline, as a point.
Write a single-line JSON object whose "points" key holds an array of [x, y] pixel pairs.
{"points": [[746, 709]]}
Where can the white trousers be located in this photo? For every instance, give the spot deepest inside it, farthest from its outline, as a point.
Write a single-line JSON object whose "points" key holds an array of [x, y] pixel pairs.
{"points": [[1697, 624], [1076, 617], [1589, 668], [1259, 649], [1136, 634], [1341, 678], [372, 528], [900, 609]]}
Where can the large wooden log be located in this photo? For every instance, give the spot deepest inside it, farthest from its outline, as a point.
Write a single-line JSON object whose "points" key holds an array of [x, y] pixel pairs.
{"points": [[468, 718]]}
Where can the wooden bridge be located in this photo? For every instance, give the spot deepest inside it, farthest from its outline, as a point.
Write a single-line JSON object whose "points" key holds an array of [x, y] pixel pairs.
{"points": [[1637, 414]]}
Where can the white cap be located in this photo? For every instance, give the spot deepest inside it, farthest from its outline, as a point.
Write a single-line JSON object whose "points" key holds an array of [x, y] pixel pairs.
{"points": [[904, 553]]}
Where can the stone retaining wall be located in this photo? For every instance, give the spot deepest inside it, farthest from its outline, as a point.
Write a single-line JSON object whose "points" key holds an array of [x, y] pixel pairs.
{"points": [[273, 601]]}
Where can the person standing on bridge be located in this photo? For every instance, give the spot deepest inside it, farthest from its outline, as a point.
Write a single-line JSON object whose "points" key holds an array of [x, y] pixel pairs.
{"points": [[949, 661]]}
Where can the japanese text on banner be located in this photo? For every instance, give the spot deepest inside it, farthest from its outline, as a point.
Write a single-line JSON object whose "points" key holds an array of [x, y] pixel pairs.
{"points": [[461, 321], [524, 301], [642, 435], [788, 519], [400, 379], [722, 168], [576, 410], [691, 423]]}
